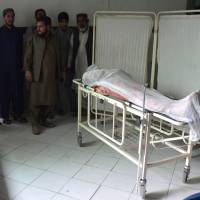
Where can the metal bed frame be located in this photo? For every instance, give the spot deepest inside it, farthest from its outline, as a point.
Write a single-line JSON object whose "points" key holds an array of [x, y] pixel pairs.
{"points": [[146, 126], [125, 120]]}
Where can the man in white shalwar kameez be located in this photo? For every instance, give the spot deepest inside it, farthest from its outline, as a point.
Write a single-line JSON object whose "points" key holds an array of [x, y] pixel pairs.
{"points": [[83, 45]]}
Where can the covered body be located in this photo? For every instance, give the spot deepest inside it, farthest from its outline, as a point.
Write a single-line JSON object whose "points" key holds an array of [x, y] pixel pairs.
{"points": [[119, 84]]}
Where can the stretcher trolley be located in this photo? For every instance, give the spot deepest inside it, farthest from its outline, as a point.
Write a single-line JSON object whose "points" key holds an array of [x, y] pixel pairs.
{"points": [[129, 41]]}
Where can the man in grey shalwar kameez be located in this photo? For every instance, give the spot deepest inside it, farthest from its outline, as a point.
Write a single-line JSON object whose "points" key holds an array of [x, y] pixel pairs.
{"points": [[40, 64]]}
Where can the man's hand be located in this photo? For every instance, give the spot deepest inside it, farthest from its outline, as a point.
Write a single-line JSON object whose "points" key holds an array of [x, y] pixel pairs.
{"points": [[28, 76]]}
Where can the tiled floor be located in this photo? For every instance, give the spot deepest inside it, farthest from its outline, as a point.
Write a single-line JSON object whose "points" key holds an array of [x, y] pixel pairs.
{"points": [[51, 166]]}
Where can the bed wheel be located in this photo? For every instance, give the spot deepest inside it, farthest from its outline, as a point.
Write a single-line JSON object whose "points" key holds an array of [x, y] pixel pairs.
{"points": [[186, 174], [80, 140], [185, 177], [142, 188]]}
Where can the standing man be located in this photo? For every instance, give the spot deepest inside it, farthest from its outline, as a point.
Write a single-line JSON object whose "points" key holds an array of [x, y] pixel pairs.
{"points": [[39, 13], [64, 36], [40, 65], [82, 45], [11, 76]]}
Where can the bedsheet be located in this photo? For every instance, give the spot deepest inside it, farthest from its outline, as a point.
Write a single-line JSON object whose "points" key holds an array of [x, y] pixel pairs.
{"points": [[115, 82]]}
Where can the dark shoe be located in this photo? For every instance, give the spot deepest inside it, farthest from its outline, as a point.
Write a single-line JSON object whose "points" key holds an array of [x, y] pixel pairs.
{"points": [[51, 116], [22, 120], [36, 130], [48, 124], [19, 118], [7, 121]]}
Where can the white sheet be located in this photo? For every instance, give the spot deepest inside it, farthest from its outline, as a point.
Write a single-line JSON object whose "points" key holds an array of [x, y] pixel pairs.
{"points": [[184, 110], [179, 55]]}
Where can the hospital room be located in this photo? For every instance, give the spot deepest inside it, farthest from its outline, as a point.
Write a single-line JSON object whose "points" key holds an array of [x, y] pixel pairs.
{"points": [[100, 100]]}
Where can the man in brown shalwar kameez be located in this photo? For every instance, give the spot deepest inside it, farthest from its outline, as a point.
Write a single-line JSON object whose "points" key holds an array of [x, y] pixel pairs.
{"points": [[40, 64]]}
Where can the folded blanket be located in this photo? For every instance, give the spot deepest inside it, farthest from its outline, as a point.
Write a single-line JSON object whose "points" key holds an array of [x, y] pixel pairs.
{"points": [[115, 82]]}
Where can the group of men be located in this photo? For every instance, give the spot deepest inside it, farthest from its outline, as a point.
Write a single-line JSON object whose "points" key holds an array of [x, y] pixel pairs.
{"points": [[45, 59]]}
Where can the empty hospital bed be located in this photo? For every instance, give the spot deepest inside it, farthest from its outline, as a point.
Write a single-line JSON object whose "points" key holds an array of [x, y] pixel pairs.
{"points": [[123, 40]]}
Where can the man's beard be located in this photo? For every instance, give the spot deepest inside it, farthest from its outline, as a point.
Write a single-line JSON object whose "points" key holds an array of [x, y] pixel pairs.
{"points": [[11, 24], [41, 34], [84, 29]]}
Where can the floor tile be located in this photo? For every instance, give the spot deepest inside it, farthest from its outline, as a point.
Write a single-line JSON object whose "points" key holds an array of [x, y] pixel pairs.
{"points": [[47, 138], [53, 162], [14, 141], [32, 193], [62, 197], [55, 151], [160, 154], [179, 192], [160, 174], [103, 162], [79, 156], [92, 174], [69, 141], [33, 147], [8, 166], [120, 181], [5, 149], [50, 181], [79, 189], [193, 179], [65, 167], [194, 165], [41, 162], [90, 143], [3, 136], [135, 197], [125, 166], [19, 156], [10, 188], [106, 193], [108, 151], [25, 174], [154, 190]]}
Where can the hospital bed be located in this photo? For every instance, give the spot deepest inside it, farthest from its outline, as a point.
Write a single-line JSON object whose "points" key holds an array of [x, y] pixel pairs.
{"points": [[123, 40]]}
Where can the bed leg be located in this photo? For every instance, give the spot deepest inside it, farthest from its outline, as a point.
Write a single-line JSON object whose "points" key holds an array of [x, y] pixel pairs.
{"points": [[79, 106], [186, 171], [79, 135], [80, 139], [143, 179], [142, 188]]}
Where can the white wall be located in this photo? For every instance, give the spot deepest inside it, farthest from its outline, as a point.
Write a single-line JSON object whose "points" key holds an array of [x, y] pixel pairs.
{"points": [[154, 5], [25, 8]]}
